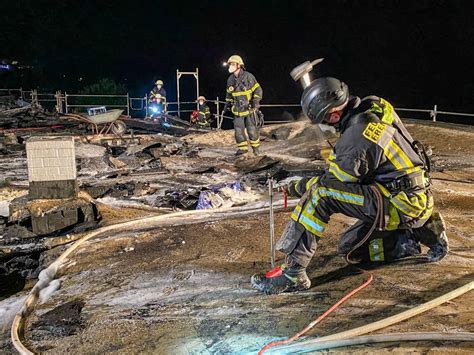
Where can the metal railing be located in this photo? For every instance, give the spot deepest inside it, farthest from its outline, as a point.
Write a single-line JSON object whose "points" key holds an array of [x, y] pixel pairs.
{"points": [[64, 104], [68, 105]]}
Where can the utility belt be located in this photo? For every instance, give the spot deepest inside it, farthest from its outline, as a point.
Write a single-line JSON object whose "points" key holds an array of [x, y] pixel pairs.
{"points": [[417, 181]]}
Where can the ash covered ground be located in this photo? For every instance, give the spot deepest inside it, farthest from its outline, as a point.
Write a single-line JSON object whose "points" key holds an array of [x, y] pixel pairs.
{"points": [[184, 287]]}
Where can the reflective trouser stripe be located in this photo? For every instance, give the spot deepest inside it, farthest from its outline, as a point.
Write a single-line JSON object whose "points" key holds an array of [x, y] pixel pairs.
{"points": [[309, 221], [243, 145], [306, 216], [339, 195], [255, 143], [376, 250]]}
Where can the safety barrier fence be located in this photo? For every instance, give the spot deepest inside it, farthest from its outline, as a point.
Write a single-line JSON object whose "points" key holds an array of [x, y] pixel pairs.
{"points": [[66, 103]]}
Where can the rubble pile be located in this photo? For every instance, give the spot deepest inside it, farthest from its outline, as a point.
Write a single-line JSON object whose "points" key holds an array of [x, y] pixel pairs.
{"points": [[16, 113], [158, 173]]}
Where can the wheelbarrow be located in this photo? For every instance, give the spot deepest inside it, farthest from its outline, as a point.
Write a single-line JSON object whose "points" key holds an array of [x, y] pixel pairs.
{"points": [[103, 121]]}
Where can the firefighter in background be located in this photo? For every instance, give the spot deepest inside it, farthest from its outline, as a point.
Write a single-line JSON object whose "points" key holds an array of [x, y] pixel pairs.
{"points": [[158, 89], [243, 97], [204, 113], [377, 174], [157, 102]]}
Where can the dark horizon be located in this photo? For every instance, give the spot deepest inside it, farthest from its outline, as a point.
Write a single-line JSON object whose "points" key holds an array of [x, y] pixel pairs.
{"points": [[413, 54]]}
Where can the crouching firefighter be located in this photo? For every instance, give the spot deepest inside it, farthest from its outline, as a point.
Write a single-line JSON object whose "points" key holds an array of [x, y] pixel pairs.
{"points": [[377, 174], [243, 97]]}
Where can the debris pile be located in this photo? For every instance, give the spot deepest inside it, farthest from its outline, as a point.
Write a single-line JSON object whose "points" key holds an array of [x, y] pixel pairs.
{"points": [[16, 113]]}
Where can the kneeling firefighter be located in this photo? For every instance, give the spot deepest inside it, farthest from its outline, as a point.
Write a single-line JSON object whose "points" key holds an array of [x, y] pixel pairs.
{"points": [[377, 174]]}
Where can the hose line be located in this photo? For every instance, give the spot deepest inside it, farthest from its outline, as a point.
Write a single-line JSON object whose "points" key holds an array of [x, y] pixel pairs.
{"points": [[48, 274]]}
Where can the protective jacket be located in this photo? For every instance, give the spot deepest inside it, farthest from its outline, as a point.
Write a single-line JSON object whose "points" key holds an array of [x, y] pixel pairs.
{"points": [[375, 148], [155, 91], [204, 113], [243, 92]]}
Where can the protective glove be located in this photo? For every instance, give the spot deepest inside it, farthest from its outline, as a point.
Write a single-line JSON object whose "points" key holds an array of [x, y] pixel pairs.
{"points": [[325, 153], [291, 188]]}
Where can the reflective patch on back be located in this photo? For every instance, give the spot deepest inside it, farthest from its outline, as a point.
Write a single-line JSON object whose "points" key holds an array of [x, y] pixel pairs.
{"points": [[376, 251], [374, 131]]}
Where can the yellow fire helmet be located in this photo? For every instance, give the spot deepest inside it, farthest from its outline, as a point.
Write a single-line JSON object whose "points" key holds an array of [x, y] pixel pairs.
{"points": [[235, 59]]}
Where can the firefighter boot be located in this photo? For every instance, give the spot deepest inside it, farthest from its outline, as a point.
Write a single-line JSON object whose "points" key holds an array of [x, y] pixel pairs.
{"points": [[240, 152], [433, 235], [282, 279]]}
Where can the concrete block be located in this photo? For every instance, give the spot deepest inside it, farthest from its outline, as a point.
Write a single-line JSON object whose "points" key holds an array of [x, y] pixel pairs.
{"points": [[53, 189], [54, 221], [51, 158]]}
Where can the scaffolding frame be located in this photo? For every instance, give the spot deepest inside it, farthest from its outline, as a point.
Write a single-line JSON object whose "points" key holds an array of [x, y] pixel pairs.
{"points": [[179, 74]]}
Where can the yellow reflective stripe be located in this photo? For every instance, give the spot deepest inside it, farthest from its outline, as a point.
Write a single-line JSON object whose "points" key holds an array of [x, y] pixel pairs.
{"points": [[429, 208], [257, 96], [413, 170], [376, 250], [402, 155], [243, 113], [311, 181], [332, 155], [340, 174], [341, 195], [306, 216], [309, 221], [393, 218], [255, 143], [387, 112], [384, 190], [229, 99], [241, 93], [255, 87], [396, 156], [413, 206], [242, 144]]}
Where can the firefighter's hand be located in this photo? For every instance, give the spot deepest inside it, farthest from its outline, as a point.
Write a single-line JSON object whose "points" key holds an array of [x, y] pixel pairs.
{"points": [[291, 189], [325, 153], [289, 185]]}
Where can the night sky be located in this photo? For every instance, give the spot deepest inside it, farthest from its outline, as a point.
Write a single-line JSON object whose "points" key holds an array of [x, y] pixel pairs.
{"points": [[414, 53]]}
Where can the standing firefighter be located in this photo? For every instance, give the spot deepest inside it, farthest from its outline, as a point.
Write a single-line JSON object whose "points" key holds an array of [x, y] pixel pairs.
{"points": [[374, 166], [204, 112], [158, 92], [243, 97]]}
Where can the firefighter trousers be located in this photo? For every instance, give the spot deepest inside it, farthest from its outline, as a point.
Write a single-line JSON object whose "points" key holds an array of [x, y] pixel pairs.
{"points": [[329, 196], [246, 122]]}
